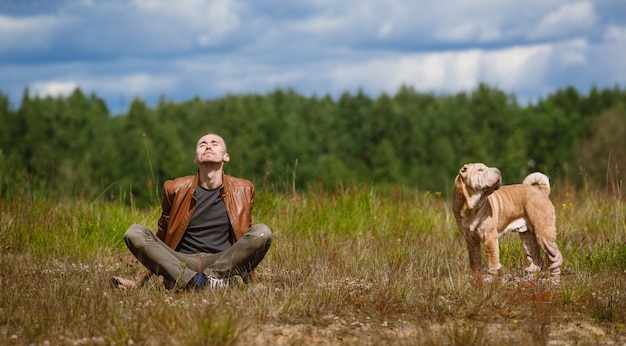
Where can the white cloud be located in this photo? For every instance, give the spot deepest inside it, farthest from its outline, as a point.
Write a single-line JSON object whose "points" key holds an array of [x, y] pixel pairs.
{"points": [[516, 67], [137, 28], [54, 88], [573, 52], [319, 25], [509, 68], [567, 19], [469, 31], [148, 4], [117, 83], [385, 30], [615, 34], [29, 33], [134, 83], [217, 17]]}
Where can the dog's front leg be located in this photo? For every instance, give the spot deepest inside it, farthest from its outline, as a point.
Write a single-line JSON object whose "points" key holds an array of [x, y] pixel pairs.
{"points": [[492, 250], [475, 256]]}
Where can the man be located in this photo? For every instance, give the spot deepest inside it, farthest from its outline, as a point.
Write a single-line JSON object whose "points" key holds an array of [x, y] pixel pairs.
{"points": [[206, 237]]}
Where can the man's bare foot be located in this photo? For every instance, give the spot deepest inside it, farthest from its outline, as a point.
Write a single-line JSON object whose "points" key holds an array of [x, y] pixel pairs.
{"points": [[122, 283]]}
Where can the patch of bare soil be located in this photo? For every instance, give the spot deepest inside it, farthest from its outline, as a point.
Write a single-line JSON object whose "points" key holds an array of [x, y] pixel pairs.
{"points": [[341, 332]]}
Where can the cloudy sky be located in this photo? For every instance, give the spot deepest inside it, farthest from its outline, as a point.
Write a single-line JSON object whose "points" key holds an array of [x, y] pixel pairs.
{"points": [[122, 49]]}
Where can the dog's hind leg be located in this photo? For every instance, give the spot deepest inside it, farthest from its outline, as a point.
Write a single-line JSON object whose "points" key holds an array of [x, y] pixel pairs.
{"points": [[532, 251], [554, 256], [546, 237]]}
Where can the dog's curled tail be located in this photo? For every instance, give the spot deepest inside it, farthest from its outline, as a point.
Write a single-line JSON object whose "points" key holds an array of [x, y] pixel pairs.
{"points": [[540, 180]]}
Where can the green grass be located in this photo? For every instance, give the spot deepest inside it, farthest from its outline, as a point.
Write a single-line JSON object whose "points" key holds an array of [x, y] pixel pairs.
{"points": [[358, 266]]}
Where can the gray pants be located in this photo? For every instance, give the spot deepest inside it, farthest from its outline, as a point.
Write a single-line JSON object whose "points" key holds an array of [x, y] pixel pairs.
{"points": [[179, 268]]}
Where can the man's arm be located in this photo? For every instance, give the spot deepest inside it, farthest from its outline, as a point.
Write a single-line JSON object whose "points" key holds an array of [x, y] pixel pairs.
{"points": [[166, 207]]}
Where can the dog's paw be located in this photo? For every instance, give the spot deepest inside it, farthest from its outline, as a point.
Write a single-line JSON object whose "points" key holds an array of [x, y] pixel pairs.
{"points": [[495, 270], [533, 268], [488, 279]]}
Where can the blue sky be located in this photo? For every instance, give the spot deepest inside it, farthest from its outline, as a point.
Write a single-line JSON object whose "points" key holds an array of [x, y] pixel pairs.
{"points": [[122, 49]]}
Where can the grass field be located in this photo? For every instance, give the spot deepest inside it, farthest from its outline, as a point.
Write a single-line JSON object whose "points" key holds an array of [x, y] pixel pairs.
{"points": [[358, 267]]}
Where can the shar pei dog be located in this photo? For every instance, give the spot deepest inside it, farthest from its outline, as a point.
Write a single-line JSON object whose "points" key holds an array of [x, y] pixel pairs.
{"points": [[484, 210]]}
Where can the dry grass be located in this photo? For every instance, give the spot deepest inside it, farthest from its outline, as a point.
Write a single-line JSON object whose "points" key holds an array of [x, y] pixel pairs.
{"points": [[352, 267]]}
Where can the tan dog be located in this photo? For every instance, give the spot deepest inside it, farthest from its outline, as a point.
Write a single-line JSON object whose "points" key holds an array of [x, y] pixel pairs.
{"points": [[484, 210]]}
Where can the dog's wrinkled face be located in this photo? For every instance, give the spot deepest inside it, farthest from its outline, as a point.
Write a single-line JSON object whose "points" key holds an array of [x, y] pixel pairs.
{"points": [[478, 176]]}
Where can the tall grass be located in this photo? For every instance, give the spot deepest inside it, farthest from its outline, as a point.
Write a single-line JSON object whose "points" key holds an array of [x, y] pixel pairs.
{"points": [[357, 266]]}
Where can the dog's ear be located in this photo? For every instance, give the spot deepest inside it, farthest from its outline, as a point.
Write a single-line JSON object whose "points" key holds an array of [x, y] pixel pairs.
{"points": [[461, 187], [464, 190], [471, 200], [460, 178]]}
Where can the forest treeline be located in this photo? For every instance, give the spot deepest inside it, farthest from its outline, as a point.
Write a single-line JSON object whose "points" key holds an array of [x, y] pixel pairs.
{"points": [[73, 146]]}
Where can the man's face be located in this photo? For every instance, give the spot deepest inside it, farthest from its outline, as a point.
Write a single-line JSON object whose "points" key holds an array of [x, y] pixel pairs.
{"points": [[211, 149]]}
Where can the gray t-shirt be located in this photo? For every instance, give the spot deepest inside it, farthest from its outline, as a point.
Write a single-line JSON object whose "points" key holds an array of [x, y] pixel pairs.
{"points": [[209, 229]]}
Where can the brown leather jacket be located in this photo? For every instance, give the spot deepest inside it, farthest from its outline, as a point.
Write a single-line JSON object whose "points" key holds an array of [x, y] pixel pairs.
{"points": [[179, 203]]}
